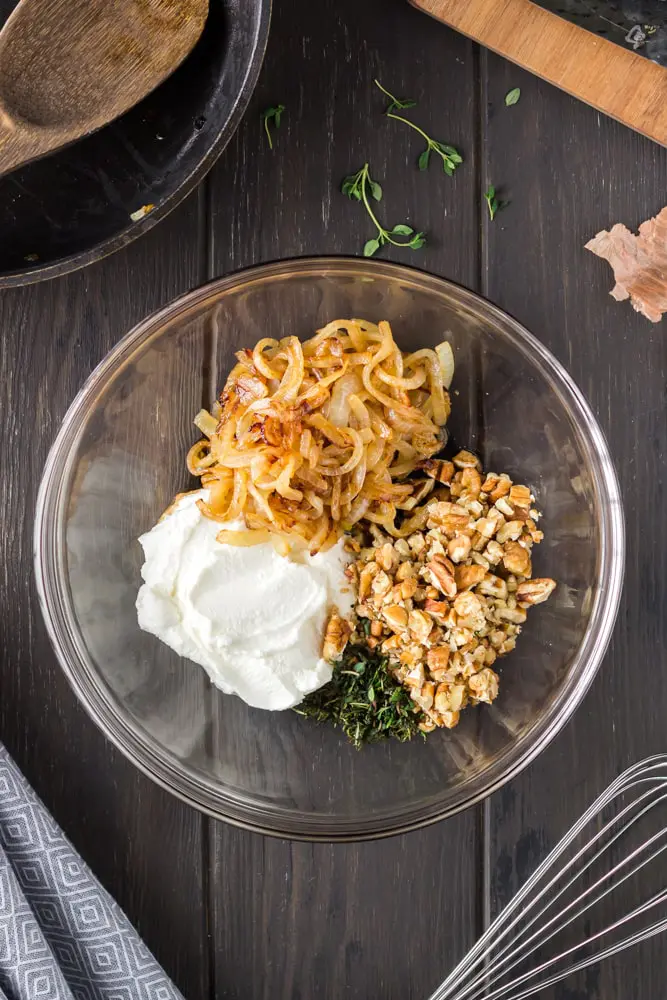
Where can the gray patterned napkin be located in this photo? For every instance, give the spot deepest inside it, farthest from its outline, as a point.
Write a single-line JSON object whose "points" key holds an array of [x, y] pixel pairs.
{"points": [[62, 937]]}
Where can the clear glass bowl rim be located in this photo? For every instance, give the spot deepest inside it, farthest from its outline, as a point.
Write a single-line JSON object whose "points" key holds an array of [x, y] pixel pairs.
{"points": [[193, 787]]}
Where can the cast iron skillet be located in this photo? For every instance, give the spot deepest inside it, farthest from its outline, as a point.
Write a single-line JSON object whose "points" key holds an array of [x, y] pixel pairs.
{"points": [[74, 207]]}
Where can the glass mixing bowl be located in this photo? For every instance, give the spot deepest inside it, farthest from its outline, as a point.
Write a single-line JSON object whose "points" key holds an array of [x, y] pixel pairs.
{"points": [[120, 457]]}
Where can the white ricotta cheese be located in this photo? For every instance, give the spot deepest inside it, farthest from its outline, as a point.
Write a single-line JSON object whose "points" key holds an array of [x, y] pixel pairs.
{"points": [[252, 618]]}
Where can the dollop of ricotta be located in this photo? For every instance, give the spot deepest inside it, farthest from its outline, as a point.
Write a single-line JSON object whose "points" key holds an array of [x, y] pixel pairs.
{"points": [[252, 618]]}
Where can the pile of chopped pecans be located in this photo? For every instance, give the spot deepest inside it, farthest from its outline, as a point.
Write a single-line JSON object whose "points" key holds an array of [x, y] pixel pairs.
{"points": [[444, 603]]}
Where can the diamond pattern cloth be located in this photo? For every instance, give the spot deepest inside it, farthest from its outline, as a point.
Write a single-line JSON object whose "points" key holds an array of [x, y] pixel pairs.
{"points": [[62, 937]]}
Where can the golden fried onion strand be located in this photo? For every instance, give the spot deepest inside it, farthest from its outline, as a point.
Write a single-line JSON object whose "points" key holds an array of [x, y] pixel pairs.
{"points": [[308, 439]]}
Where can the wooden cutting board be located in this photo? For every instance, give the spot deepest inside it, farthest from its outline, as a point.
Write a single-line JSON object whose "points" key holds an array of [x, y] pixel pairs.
{"points": [[614, 80]]}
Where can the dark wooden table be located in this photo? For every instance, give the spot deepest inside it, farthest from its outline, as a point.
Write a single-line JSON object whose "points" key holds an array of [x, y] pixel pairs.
{"points": [[231, 914]]}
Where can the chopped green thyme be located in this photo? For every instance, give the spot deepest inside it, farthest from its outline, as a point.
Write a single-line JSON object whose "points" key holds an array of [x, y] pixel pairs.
{"points": [[364, 700], [512, 97]]}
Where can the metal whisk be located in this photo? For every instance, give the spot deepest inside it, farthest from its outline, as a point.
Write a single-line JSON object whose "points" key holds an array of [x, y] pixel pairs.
{"points": [[554, 926]]}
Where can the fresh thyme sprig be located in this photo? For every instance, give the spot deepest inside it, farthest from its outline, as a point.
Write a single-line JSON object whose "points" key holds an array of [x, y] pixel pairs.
{"points": [[365, 700], [451, 158], [492, 202], [272, 115], [397, 103], [357, 187]]}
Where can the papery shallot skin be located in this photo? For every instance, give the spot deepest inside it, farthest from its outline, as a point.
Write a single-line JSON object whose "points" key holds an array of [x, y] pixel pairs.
{"points": [[639, 264]]}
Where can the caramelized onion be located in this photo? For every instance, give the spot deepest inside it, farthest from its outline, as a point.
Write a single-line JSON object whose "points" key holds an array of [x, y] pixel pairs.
{"points": [[338, 412], [308, 439]]}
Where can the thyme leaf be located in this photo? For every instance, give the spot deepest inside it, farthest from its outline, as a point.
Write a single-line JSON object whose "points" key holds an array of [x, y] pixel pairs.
{"points": [[492, 202], [272, 115]]}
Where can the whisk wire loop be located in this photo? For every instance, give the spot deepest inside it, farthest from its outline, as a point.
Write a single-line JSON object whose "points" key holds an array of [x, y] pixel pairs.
{"points": [[541, 910]]}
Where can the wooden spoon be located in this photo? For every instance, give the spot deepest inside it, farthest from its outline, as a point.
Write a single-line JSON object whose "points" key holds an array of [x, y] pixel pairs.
{"points": [[68, 67]]}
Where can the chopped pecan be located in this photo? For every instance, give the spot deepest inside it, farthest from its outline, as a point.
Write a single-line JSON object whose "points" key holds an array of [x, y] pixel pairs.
{"points": [[414, 678], [458, 697], [483, 686], [469, 576], [420, 625], [386, 556], [493, 586], [450, 719], [392, 643], [442, 572], [337, 633], [437, 658], [395, 617], [491, 480], [449, 516], [494, 552], [440, 471], [424, 697], [459, 548], [516, 616], [489, 525], [439, 609], [466, 460], [471, 481], [501, 488], [405, 570], [442, 698], [402, 548], [520, 496], [417, 542], [535, 591], [365, 580], [381, 584], [516, 559], [468, 607], [510, 531]]}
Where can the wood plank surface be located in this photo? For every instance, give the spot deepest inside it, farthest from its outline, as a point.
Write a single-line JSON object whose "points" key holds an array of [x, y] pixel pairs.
{"points": [[234, 915], [296, 921], [569, 172], [605, 75], [144, 846]]}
